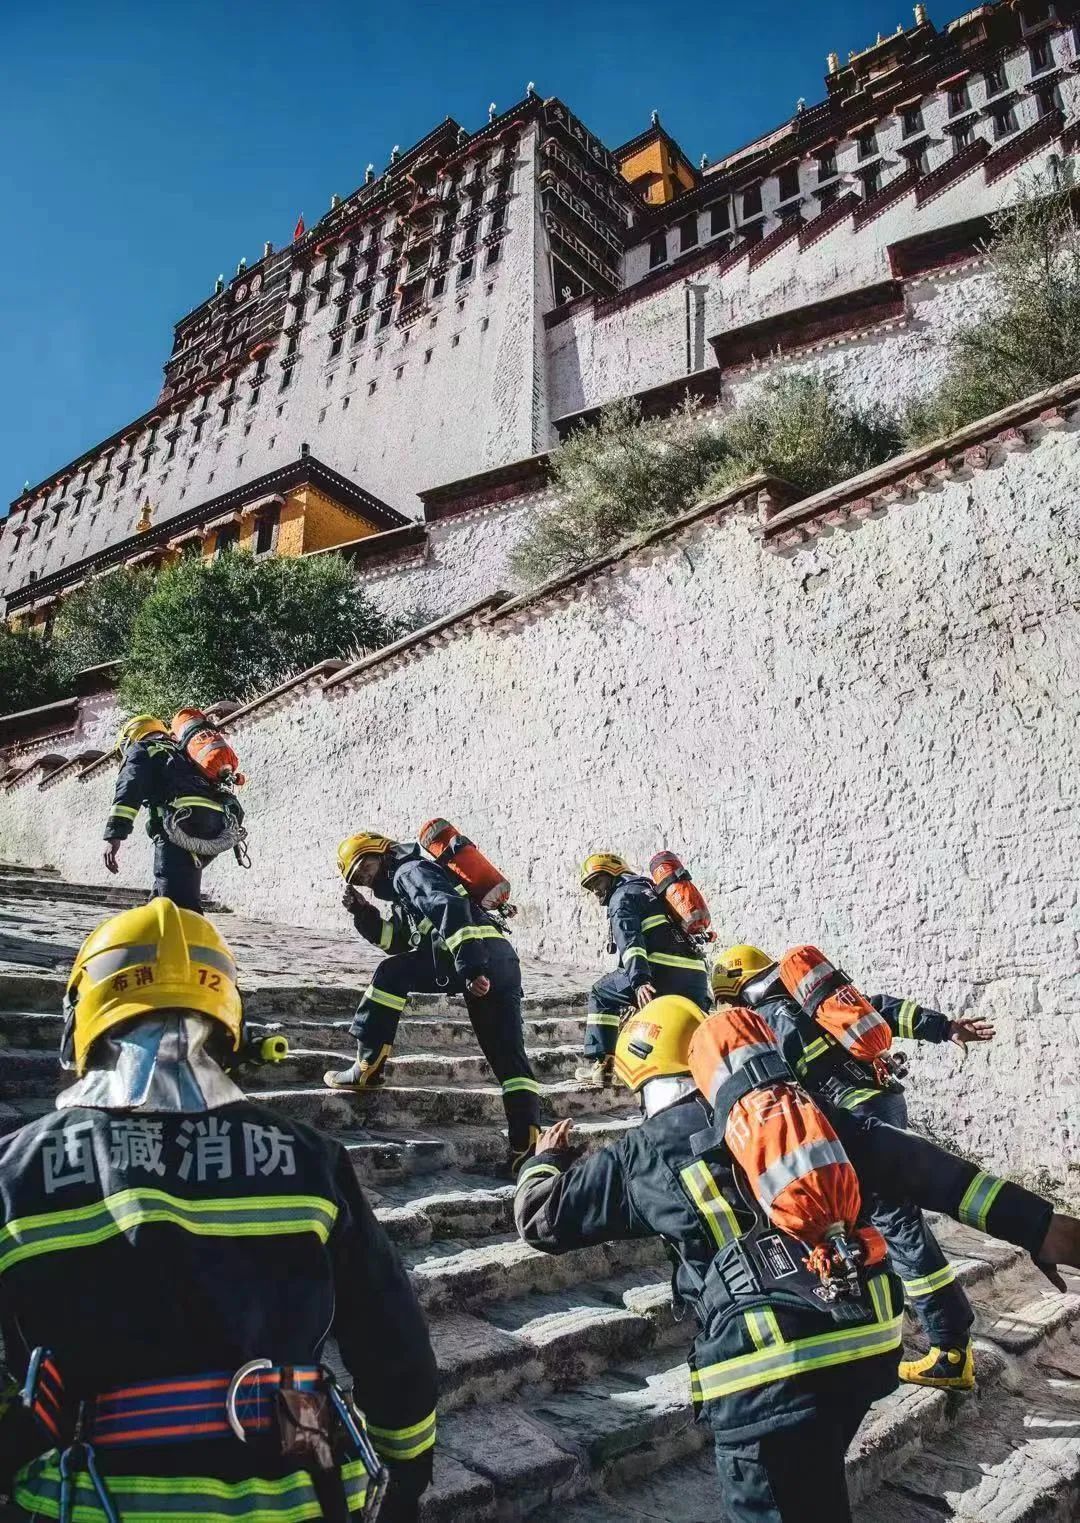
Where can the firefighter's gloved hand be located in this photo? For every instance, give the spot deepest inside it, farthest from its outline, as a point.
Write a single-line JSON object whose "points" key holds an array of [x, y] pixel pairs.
{"points": [[111, 856], [644, 994], [972, 1030], [555, 1139], [351, 899], [480, 985]]}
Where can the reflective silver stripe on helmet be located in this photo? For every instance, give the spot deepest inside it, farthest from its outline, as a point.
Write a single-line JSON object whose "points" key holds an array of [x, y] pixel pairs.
{"points": [[214, 959], [814, 1155], [103, 964]]}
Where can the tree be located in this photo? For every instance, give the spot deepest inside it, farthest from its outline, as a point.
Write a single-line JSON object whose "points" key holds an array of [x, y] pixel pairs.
{"points": [[798, 428], [1030, 336], [614, 479], [28, 674], [234, 626], [94, 624]]}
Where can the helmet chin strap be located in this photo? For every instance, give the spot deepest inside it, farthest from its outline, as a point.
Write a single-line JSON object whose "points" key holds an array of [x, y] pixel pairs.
{"points": [[160, 1063], [658, 1094]]}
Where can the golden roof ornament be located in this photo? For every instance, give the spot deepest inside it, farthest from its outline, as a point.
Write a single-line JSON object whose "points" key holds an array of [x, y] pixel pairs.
{"points": [[146, 515]]}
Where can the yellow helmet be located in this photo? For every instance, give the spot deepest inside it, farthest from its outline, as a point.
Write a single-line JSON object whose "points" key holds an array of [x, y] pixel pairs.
{"points": [[654, 1043], [138, 728], [734, 969], [364, 844], [602, 862], [156, 957]]}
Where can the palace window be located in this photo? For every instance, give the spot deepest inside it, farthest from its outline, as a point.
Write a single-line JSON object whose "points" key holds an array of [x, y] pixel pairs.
{"points": [[228, 537], [492, 255], [365, 301], [465, 271], [345, 403], [719, 218], [826, 196], [1004, 122], [384, 319], [253, 400], [959, 99], [322, 414], [360, 334], [917, 157], [911, 121], [1049, 100], [1041, 54], [963, 137], [498, 218], [286, 380], [264, 531], [657, 250], [371, 385], [688, 233], [324, 297], [788, 181], [995, 80], [438, 285], [751, 201], [335, 347], [867, 143], [871, 182]]}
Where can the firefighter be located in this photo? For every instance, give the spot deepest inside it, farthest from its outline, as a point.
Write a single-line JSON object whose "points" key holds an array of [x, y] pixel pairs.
{"points": [[655, 957], [172, 1260], [782, 1383], [439, 941], [155, 772], [746, 975]]}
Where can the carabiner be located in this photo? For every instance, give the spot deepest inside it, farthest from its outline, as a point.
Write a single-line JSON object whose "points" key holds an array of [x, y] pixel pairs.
{"points": [[242, 1374]]}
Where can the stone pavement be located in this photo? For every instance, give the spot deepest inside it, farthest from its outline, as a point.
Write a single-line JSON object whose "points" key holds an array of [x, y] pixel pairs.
{"points": [[564, 1392]]}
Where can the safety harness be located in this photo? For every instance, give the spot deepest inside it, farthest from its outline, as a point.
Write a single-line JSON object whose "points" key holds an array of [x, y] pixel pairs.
{"points": [[316, 1424], [231, 835]]}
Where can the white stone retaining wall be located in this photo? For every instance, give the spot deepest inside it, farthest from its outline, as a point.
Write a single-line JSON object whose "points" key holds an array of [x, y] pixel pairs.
{"points": [[866, 741]]}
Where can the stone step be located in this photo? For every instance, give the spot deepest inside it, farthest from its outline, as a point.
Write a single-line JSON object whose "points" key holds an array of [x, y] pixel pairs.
{"points": [[37, 1071], [448, 1204], [382, 1157], [451, 1276], [420, 1105], [19, 887], [17, 870], [448, 1032], [631, 1427], [39, 993]]}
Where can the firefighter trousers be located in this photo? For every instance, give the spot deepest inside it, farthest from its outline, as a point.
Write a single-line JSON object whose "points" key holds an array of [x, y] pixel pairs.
{"points": [[795, 1475], [930, 1283], [495, 1017], [177, 875], [612, 999]]}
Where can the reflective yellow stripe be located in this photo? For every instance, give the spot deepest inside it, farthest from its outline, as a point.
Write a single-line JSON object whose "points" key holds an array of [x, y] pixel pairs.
{"points": [[404, 1443], [193, 801], [763, 1327], [631, 953], [979, 1196], [595, 1018], [535, 1170], [238, 1216], [472, 933], [711, 1202], [782, 1361], [669, 960], [905, 1021], [386, 934], [380, 997], [927, 1285], [810, 1054], [124, 811], [520, 1086], [853, 1097], [651, 922], [184, 1498]]}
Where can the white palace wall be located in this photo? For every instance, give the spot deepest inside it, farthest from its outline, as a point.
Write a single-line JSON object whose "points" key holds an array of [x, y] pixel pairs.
{"points": [[867, 741]]}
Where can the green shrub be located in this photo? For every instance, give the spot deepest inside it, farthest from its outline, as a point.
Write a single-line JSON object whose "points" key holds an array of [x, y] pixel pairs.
{"points": [[94, 624], [615, 479], [624, 476], [1030, 337], [799, 429], [28, 670], [234, 626]]}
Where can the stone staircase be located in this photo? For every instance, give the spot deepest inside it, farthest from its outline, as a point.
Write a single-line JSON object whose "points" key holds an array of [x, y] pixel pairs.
{"points": [[564, 1395]]}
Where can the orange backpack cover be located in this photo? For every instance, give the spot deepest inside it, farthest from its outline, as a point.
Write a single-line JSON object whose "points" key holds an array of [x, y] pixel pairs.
{"points": [[831, 999], [203, 743], [792, 1158], [485, 883], [683, 898]]}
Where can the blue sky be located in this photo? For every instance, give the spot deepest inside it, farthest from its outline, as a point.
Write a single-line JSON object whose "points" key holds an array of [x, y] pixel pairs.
{"points": [[146, 147]]}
